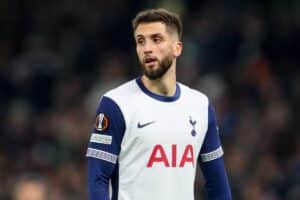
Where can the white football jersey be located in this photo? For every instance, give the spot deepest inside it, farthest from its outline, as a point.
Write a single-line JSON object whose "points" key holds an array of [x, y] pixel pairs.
{"points": [[152, 143]]}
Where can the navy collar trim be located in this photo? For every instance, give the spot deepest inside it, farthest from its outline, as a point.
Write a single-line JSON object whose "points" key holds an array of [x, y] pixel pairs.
{"points": [[157, 96]]}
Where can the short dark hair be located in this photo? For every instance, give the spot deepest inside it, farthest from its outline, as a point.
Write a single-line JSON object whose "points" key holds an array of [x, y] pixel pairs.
{"points": [[170, 19]]}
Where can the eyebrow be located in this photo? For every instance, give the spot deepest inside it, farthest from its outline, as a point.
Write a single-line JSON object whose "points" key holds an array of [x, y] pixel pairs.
{"points": [[152, 35], [156, 35]]}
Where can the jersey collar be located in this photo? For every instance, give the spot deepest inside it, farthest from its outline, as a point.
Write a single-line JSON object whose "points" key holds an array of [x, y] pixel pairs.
{"points": [[157, 96]]}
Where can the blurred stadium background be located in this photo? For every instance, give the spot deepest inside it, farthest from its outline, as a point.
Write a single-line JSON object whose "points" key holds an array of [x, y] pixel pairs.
{"points": [[58, 56]]}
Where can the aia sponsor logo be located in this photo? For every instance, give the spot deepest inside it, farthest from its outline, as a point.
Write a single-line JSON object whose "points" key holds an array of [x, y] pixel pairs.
{"points": [[159, 156]]}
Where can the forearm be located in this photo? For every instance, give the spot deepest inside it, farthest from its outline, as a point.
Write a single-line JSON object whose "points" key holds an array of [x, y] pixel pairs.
{"points": [[97, 181], [217, 184]]}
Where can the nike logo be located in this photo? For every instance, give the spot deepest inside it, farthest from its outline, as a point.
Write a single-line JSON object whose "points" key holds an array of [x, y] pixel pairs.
{"points": [[139, 125]]}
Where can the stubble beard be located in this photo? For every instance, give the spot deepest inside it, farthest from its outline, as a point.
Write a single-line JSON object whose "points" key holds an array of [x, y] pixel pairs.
{"points": [[163, 66]]}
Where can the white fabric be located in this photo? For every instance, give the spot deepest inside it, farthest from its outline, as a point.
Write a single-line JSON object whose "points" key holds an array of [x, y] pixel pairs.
{"points": [[169, 133]]}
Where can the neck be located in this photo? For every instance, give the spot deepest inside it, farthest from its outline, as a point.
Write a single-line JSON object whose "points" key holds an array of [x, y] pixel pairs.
{"points": [[165, 86]]}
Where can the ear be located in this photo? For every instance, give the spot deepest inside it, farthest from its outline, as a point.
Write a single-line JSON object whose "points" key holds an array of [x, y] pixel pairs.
{"points": [[178, 46]]}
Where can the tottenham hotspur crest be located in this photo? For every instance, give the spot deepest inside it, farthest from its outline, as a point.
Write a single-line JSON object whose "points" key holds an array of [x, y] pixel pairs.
{"points": [[193, 123]]}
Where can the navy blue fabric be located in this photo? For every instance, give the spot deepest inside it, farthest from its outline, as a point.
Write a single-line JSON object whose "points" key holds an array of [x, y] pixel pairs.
{"points": [[116, 127], [100, 171], [115, 182], [212, 139], [156, 96], [216, 180]]}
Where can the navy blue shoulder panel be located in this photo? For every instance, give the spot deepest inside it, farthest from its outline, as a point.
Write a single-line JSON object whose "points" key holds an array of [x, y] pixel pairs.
{"points": [[212, 139], [114, 125]]}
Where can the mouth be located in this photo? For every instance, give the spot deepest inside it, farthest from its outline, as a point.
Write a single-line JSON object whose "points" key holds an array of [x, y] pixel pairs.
{"points": [[150, 61]]}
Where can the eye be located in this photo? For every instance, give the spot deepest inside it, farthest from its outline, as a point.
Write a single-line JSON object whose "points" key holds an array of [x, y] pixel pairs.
{"points": [[140, 41], [157, 39]]}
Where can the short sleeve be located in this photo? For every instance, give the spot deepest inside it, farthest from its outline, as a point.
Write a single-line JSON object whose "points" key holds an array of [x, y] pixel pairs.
{"points": [[107, 133], [211, 148]]}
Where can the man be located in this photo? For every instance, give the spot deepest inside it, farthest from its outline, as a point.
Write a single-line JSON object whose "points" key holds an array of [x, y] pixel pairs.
{"points": [[150, 132]]}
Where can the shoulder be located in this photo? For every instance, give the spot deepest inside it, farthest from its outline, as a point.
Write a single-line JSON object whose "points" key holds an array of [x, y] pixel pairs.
{"points": [[125, 97], [193, 95], [123, 92]]}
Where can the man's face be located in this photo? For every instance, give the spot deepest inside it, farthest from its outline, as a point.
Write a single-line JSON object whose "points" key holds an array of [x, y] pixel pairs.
{"points": [[156, 48]]}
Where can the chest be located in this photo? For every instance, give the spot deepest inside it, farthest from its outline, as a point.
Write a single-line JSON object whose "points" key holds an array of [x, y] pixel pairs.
{"points": [[168, 125]]}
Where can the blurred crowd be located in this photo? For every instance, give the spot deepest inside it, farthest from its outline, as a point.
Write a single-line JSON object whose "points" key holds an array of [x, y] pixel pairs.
{"points": [[57, 57]]}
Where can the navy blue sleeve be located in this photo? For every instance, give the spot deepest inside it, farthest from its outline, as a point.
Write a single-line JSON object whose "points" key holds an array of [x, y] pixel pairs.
{"points": [[212, 162], [103, 149]]}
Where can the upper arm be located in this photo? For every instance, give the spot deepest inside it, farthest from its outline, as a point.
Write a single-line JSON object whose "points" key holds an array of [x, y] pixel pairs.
{"points": [[107, 133], [211, 148]]}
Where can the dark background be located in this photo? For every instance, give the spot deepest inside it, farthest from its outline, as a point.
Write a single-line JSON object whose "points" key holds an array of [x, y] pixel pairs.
{"points": [[57, 57]]}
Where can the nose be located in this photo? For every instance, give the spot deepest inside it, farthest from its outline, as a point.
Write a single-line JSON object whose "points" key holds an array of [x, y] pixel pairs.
{"points": [[148, 48]]}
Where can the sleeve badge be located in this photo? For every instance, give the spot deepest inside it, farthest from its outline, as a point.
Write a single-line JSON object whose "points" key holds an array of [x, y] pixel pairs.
{"points": [[101, 122]]}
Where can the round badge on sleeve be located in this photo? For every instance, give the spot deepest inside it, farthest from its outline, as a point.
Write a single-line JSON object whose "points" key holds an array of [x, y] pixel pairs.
{"points": [[101, 122]]}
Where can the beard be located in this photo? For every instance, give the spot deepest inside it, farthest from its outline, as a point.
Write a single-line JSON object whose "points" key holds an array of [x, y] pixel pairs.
{"points": [[163, 66]]}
